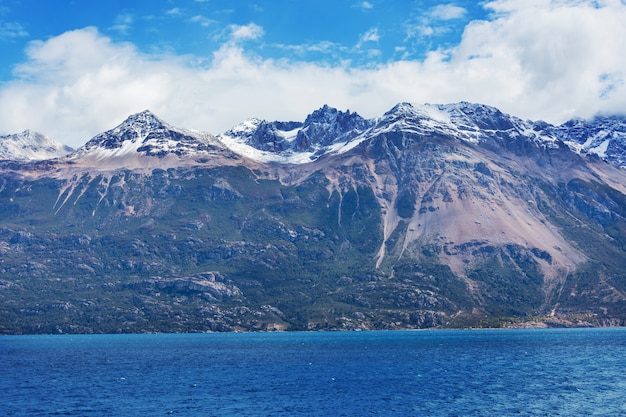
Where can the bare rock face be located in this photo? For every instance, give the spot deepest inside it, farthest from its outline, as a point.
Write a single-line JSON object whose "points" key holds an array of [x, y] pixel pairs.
{"points": [[211, 285]]}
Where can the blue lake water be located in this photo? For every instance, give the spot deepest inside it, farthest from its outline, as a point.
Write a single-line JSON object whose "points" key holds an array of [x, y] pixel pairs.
{"points": [[575, 372]]}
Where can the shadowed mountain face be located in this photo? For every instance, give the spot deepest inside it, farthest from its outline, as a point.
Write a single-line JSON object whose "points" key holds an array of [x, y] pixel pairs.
{"points": [[429, 216]]}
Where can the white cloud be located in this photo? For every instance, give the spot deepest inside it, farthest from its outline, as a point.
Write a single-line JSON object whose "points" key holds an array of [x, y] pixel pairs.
{"points": [[123, 23], [556, 53], [322, 47], [447, 12], [434, 22], [370, 36], [63, 58], [12, 30], [173, 12], [245, 32], [537, 59], [203, 21]]}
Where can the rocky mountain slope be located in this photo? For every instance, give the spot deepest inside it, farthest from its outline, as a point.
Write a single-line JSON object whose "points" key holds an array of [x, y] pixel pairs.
{"points": [[428, 216]]}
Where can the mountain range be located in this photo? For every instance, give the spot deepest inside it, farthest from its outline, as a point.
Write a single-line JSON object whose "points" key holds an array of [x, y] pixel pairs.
{"points": [[454, 215]]}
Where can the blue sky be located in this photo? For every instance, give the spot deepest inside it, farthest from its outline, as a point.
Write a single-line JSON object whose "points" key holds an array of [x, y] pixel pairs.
{"points": [[330, 31], [71, 69]]}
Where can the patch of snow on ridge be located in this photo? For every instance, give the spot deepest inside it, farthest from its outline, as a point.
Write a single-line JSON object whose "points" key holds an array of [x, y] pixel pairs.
{"points": [[246, 127], [424, 119], [339, 148], [127, 148], [289, 135], [601, 149], [288, 157], [435, 112]]}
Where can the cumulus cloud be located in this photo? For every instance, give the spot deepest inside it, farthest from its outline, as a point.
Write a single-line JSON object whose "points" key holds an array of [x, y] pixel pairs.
{"points": [[538, 59], [556, 54]]}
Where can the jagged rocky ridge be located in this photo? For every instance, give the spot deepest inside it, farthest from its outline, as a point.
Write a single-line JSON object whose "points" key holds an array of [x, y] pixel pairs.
{"points": [[429, 216], [326, 130], [604, 136]]}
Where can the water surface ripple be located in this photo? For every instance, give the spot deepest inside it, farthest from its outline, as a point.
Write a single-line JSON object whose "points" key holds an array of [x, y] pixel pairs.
{"points": [[574, 372]]}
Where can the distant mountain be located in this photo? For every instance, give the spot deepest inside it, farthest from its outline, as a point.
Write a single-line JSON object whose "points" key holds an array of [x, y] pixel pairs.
{"points": [[604, 136], [325, 131], [145, 135], [30, 145], [428, 216], [329, 131]]}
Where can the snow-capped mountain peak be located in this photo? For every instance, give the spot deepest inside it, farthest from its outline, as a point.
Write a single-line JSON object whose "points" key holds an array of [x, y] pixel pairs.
{"points": [[145, 118], [325, 131], [30, 145], [328, 126], [468, 122], [604, 136], [414, 117], [245, 128], [145, 134], [135, 129]]}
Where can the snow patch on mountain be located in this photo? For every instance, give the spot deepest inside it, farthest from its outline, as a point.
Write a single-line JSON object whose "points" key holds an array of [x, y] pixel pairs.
{"points": [[239, 146]]}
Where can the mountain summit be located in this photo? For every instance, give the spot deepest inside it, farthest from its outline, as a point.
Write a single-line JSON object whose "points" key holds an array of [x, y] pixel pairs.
{"points": [[145, 135], [325, 131], [604, 136], [328, 126], [134, 130], [30, 145]]}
